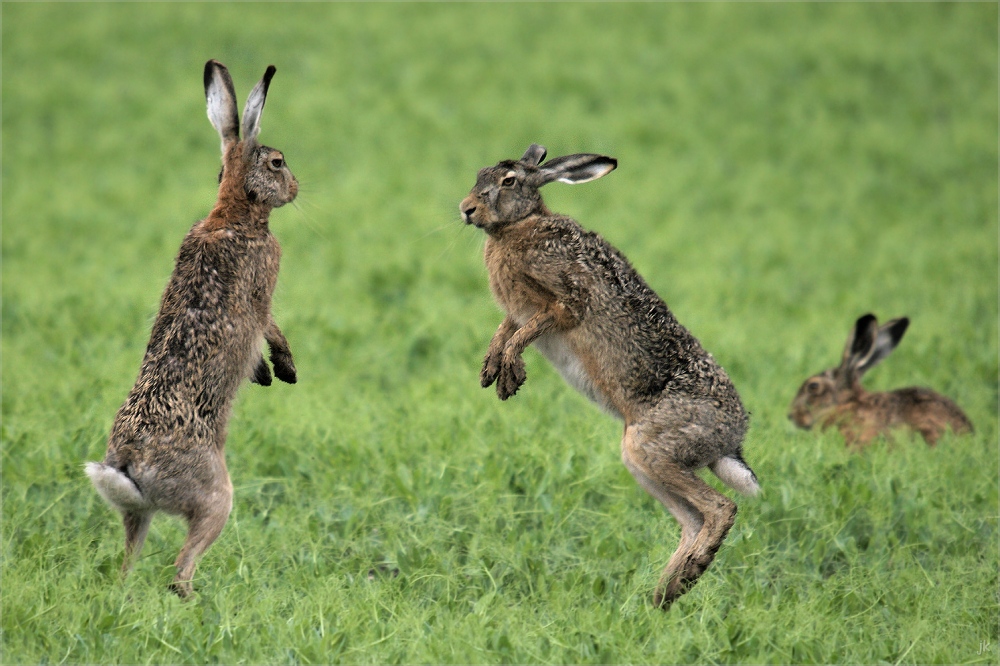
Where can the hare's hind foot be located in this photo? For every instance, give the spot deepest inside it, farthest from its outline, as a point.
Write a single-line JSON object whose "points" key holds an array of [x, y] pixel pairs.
{"points": [[204, 527], [182, 589], [705, 515], [136, 529], [687, 565]]}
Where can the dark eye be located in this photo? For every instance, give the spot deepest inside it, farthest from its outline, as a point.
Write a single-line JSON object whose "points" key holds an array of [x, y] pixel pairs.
{"points": [[814, 387], [277, 163], [508, 181]]}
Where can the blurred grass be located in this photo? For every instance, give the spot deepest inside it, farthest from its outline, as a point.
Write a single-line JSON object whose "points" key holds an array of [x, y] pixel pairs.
{"points": [[783, 169]]}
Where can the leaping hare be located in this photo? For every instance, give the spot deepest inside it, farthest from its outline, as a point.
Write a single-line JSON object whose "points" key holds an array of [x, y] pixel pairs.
{"points": [[165, 451], [611, 337], [835, 397]]}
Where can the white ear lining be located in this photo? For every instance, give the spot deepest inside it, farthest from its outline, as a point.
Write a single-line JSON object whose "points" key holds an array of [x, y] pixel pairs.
{"points": [[590, 173], [255, 106], [221, 103]]}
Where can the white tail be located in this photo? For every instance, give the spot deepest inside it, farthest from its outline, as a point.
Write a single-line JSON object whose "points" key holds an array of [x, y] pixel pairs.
{"points": [[736, 474], [116, 488]]}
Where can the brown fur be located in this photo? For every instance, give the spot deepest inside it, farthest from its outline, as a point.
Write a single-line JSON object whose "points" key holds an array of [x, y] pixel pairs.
{"points": [[580, 302], [166, 448], [836, 398]]}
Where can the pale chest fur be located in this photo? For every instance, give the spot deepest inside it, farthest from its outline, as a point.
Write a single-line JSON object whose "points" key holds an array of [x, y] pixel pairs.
{"points": [[507, 282], [566, 350]]}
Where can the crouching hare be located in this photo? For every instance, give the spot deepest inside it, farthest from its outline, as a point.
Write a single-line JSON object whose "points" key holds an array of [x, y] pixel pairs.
{"points": [[612, 338], [165, 451], [835, 397]]}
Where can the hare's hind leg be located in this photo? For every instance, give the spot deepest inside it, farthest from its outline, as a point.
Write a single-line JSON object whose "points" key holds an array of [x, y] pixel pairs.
{"points": [[705, 515], [205, 524], [136, 528]]}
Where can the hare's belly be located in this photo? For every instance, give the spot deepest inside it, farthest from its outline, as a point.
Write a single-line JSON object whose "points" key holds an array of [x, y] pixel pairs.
{"points": [[559, 353]]}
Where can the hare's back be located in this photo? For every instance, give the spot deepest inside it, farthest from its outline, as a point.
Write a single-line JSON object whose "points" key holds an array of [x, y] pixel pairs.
{"points": [[921, 406], [627, 348], [635, 329], [205, 340]]}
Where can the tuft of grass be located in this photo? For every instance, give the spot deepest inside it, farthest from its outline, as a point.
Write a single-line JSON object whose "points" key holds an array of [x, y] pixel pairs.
{"points": [[783, 169]]}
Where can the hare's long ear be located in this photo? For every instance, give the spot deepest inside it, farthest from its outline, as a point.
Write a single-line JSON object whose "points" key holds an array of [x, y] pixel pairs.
{"points": [[574, 169], [534, 155], [221, 98], [859, 349], [255, 106], [886, 339]]}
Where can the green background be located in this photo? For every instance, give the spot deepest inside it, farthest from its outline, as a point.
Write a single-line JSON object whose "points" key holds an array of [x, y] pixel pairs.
{"points": [[783, 168]]}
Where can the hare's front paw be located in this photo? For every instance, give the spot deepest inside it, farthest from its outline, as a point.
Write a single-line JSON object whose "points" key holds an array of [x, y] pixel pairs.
{"points": [[491, 368], [284, 368], [262, 373], [510, 377]]}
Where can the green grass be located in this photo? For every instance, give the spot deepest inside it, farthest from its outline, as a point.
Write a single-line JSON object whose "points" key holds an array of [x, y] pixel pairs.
{"points": [[784, 168]]}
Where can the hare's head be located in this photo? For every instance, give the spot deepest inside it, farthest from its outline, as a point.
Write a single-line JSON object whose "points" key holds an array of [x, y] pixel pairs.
{"points": [[250, 170], [508, 192], [866, 346]]}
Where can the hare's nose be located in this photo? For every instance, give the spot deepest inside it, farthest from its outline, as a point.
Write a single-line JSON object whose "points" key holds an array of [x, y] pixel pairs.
{"points": [[467, 214]]}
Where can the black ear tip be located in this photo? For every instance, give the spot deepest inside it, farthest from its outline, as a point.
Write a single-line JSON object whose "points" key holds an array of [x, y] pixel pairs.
{"points": [[209, 69], [613, 162], [268, 73], [864, 321], [899, 328]]}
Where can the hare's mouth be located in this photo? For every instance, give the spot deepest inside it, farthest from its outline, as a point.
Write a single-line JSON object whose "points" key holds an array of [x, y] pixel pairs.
{"points": [[799, 421]]}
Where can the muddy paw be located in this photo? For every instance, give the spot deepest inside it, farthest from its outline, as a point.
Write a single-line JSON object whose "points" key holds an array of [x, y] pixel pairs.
{"points": [[510, 378], [284, 368], [262, 373], [490, 370]]}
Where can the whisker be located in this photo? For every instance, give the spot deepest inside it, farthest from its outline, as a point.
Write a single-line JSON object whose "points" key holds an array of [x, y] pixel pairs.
{"points": [[309, 219]]}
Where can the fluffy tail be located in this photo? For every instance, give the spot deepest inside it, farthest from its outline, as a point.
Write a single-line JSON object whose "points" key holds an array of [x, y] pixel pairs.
{"points": [[117, 488], [735, 473]]}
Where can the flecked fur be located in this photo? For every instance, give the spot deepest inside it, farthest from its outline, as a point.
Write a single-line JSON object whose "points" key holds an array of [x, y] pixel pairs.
{"points": [[581, 303], [166, 448], [836, 398]]}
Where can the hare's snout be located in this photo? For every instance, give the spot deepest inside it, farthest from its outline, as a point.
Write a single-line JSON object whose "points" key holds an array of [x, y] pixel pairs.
{"points": [[467, 209], [802, 414], [801, 420]]}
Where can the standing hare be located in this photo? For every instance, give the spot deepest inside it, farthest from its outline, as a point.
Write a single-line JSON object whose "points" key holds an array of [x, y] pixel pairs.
{"points": [[612, 338], [166, 449], [836, 398]]}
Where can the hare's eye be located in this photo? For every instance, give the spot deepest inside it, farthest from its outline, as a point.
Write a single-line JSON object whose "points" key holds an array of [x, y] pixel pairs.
{"points": [[277, 163], [813, 387], [508, 181]]}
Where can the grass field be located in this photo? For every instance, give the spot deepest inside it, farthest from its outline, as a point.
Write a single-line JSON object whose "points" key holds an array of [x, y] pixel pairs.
{"points": [[783, 168]]}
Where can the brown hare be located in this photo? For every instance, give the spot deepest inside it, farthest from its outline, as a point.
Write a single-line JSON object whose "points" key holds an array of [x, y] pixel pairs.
{"points": [[583, 306], [835, 397], [166, 448]]}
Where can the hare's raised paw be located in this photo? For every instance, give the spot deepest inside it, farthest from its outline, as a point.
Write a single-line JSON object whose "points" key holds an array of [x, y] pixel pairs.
{"points": [[262, 373], [491, 368], [284, 368], [510, 378]]}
